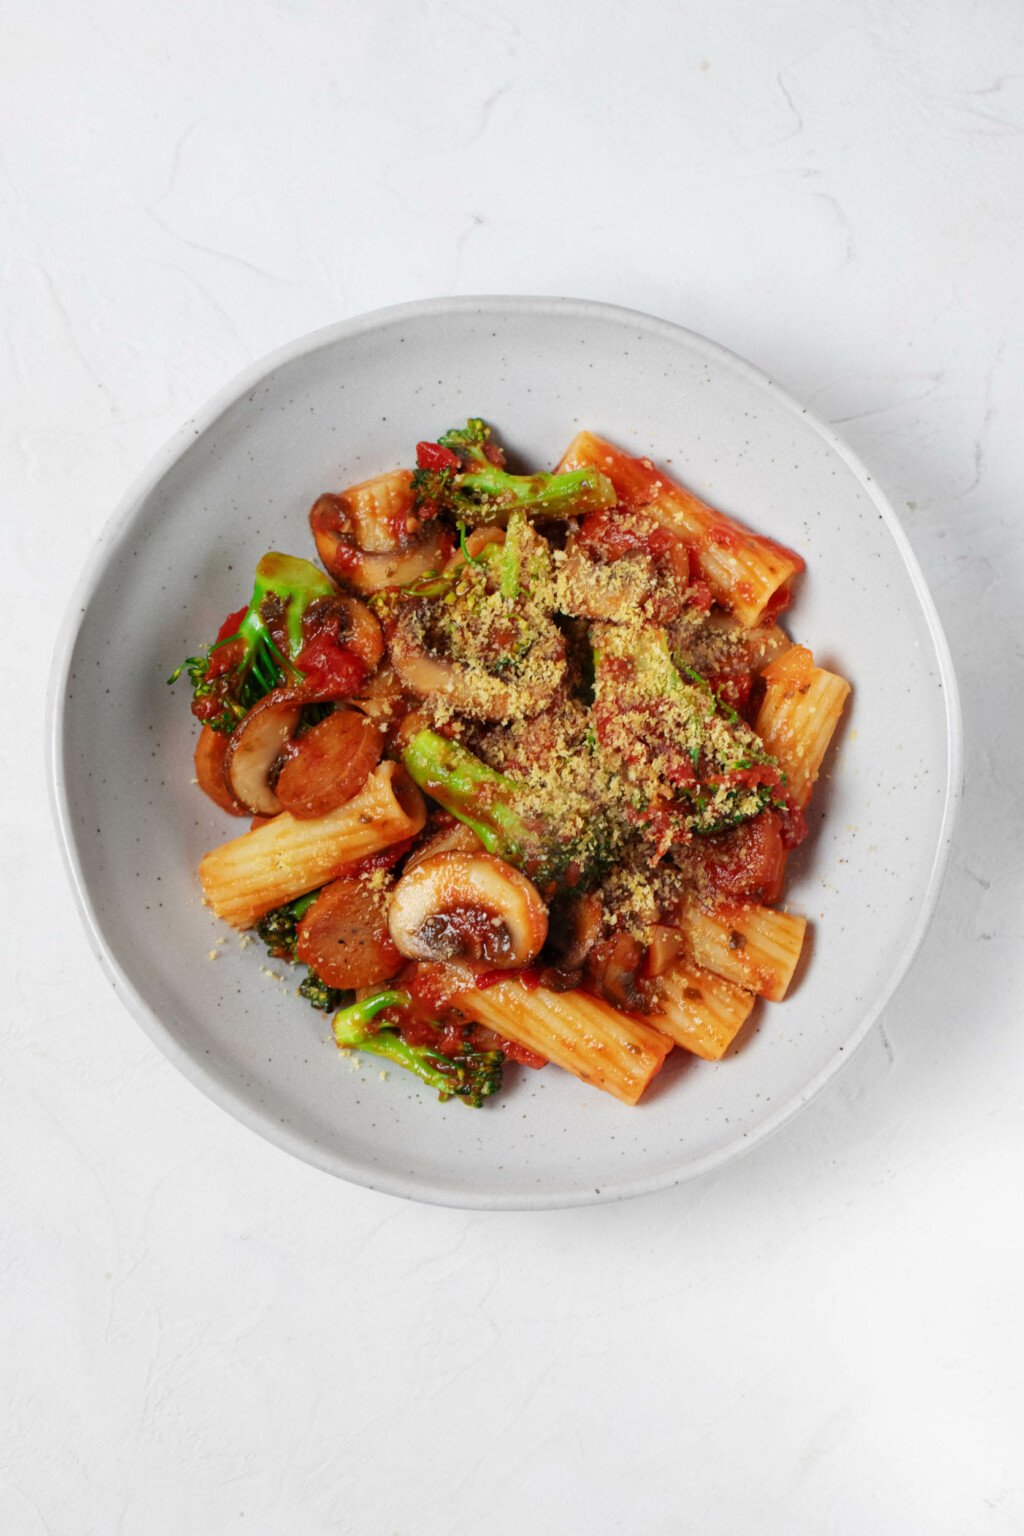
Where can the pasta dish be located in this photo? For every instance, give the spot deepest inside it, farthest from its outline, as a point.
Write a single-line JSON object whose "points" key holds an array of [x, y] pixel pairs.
{"points": [[524, 757]]}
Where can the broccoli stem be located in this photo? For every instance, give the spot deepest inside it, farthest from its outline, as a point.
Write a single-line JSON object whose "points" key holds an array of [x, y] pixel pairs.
{"points": [[350, 1023], [471, 1076], [480, 490], [479, 796], [295, 583], [510, 567], [485, 800], [489, 495]]}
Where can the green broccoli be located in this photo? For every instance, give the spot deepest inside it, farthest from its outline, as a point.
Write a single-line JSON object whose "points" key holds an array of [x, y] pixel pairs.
{"points": [[706, 757], [221, 694], [279, 931], [510, 564], [319, 995], [471, 1076], [463, 474], [497, 809], [482, 798]]}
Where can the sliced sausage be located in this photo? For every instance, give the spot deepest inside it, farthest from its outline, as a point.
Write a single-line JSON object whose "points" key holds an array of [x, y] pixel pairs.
{"points": [[329, 763], [344, 936], [211, 752]]}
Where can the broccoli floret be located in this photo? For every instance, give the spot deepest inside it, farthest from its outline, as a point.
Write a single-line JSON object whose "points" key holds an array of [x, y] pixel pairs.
{"points": [[221, 694], [471, 1076], [279, 929], [319, 995], [279, 932], [707, 759], [463, 474]]}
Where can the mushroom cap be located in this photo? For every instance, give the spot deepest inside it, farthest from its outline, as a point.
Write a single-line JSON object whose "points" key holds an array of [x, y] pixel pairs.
{"points": [[336, 536], [254, 747], [467, 906], [465, 684], [458, 838], [574, 927]]}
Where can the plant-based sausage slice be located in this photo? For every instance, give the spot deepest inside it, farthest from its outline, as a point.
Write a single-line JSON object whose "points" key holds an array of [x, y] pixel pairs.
{"points": [[344, 936], [211, 752], [328, 764]]}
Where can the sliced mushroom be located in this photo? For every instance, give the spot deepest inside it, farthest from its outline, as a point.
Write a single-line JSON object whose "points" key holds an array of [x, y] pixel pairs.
{"points": [[718, 644], [361, 632], [613, 969], [350, 622], [574, 926], [467, 906], [417, 669], [381, 698], [667, 944], [522, 692], [592, 586], [412, 722], [335, 530], [255, 745]]}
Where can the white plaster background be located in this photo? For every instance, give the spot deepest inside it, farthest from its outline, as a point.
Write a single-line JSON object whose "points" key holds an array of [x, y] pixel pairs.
{"points": [[200, 1335]]}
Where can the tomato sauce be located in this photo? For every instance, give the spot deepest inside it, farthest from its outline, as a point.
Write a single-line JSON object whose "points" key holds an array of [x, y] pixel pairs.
{"points": [[385, 859], [230, 625], [724, 534]]}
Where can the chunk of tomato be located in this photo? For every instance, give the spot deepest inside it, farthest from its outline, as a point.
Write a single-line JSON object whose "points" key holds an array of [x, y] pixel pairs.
{"points": [[230, 625], [327, 664], [746, 863], [432, 456]]}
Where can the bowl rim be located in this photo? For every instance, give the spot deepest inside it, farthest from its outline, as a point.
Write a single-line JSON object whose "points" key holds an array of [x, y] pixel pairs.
{"points": [[114, 534]]}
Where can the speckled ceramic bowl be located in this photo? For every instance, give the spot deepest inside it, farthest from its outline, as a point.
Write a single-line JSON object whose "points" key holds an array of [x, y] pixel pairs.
{"points": [[237, 479]]}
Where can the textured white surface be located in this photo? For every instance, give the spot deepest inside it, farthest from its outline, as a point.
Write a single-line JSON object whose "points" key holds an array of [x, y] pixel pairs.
{"points": [[197, 1333]]}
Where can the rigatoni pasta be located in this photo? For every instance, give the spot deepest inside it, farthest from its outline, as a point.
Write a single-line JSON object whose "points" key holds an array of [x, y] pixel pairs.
{"points": [[752, 946], [286, 857], [525, 766], [700, 1011], [799, 713], [379, 509], [746, 572], [584, 1034]]}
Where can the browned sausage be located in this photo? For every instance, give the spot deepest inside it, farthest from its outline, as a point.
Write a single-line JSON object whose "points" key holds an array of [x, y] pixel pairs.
{"points": [[329, 763], [211, 749], [344, 936]]}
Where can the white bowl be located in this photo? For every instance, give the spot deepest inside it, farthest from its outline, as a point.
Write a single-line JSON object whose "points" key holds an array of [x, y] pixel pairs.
{"points": [[238, 479]]}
